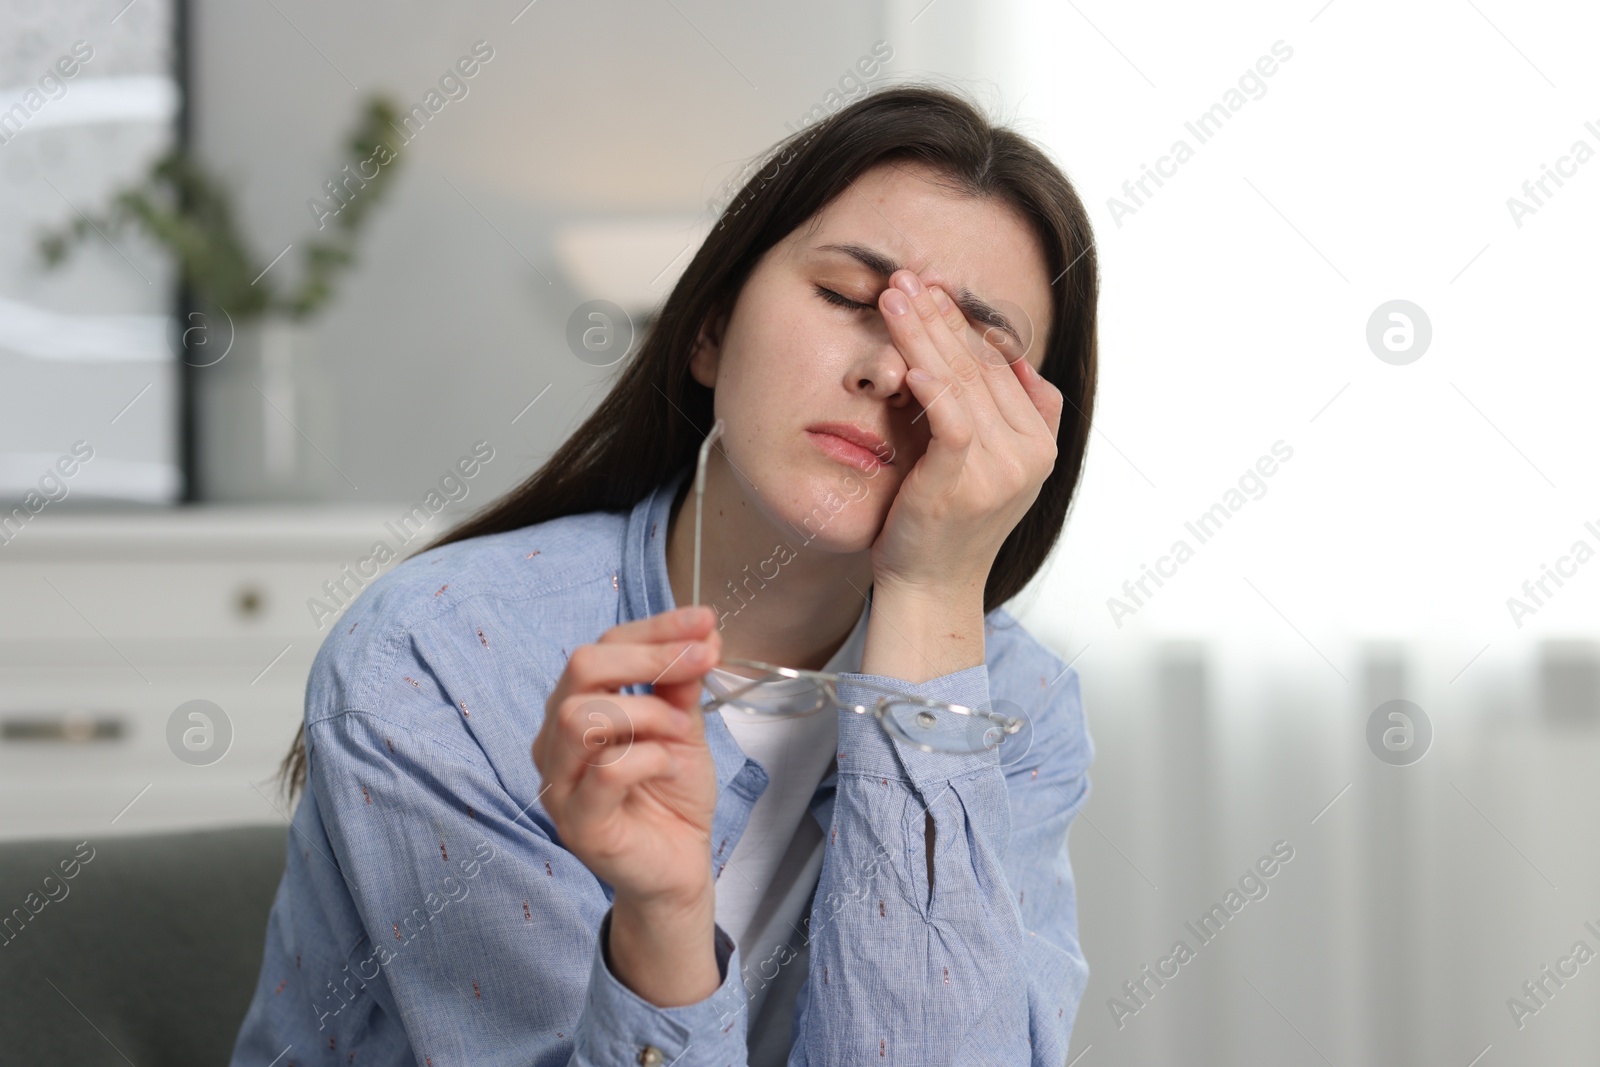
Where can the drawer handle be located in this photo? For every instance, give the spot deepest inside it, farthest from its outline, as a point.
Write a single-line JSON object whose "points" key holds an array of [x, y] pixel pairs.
{"points": [[63, 728]]}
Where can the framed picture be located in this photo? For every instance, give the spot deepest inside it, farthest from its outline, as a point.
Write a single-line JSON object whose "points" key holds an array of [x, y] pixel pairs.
{"points": [[91, 388]]}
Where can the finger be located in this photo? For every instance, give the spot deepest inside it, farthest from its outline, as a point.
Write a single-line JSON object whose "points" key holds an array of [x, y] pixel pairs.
{"points": [[688, 622], [998, 354], [1013, 338], [685, 623], [602, 728], [1045, 397], [985, 345], [685, 696], [603, 789], [949, 422], [611, 666], [926, 339], [560, 762]]}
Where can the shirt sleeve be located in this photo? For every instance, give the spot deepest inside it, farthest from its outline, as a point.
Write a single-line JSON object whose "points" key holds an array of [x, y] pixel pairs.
{"points": [[983, 969], [483, 931]]}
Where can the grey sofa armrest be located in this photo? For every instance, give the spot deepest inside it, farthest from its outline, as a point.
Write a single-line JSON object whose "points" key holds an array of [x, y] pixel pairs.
{"points": [[150, 952]]}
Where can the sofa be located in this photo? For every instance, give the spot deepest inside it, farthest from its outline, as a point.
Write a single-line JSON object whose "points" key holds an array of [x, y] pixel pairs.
{"points": [[141, 949]]}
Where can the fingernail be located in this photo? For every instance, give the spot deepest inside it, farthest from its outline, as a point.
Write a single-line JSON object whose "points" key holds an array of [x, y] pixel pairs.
{"points": [[697, 653], [908, 281], [940, 301], [691, 614], [917, 374], [896, 302]]}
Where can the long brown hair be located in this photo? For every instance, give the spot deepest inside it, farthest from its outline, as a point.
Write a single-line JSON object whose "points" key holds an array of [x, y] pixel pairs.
{"points": [[654, 419]]}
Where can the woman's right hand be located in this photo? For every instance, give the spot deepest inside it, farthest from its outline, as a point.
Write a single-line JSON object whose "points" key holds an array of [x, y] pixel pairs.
{"points": [[628, 780]]}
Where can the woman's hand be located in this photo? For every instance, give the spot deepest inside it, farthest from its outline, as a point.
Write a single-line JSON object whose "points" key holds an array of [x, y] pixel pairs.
{"points": [[631, 787], [993, 421], [629, 781]]}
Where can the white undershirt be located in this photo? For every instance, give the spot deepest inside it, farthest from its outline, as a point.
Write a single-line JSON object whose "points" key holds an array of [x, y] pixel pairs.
{"points": [[763, 889]]}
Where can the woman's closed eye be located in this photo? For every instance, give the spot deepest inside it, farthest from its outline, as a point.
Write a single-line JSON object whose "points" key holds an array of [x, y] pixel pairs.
{"points": [[843, 301]]}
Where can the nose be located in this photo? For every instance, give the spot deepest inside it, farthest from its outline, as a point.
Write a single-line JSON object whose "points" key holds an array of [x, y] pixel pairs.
{"points": [[881, 375]]}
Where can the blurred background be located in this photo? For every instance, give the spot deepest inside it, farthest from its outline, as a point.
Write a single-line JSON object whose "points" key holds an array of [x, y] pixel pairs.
{"points": [[1347, 359]]}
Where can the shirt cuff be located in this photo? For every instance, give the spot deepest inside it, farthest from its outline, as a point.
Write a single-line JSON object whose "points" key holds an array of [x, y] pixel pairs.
{"points": [[619, 1026], [865, 749]]}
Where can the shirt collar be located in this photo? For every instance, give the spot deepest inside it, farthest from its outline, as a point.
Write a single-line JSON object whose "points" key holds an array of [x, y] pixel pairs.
{"points": [[646, 590]]}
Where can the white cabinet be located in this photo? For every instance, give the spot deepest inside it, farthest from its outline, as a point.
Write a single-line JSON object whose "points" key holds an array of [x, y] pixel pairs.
{"points": [[110, 621]]}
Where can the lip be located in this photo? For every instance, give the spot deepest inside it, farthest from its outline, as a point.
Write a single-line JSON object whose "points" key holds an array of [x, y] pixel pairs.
{"points": [[853, 444]]}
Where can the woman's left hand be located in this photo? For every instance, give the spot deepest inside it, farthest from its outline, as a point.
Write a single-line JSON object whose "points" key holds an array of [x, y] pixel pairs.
{"points": [[993, 427]]}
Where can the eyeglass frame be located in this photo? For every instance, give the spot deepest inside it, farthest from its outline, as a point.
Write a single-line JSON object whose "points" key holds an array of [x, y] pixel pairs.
{"points": [[826, 682]]}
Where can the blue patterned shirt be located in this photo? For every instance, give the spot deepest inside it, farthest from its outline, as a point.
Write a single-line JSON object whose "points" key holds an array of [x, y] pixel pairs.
{"points": [[429, 914]]}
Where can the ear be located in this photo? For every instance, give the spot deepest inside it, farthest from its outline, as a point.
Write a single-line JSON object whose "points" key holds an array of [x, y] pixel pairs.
{"points": [[707, 355]]}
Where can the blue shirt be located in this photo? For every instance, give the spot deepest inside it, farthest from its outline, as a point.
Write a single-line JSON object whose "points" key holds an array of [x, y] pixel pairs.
{"points": [[429, 914]]}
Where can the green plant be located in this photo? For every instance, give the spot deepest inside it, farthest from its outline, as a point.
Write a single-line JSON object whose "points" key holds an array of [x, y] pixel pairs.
{"points": [[189, 212]]}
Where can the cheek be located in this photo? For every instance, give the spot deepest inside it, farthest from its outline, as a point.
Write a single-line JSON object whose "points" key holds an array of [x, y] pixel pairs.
{"points": [[764, 356]]}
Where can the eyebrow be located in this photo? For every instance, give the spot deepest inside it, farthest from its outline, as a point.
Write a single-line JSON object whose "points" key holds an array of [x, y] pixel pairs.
{"points": [[973, 306]]}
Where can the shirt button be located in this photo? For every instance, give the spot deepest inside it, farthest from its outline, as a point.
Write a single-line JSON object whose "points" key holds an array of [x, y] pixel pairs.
{"points": [[650, 1056]]}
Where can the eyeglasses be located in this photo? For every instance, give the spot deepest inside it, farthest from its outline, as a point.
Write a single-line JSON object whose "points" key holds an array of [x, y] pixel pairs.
{"points": [[930, 725]]}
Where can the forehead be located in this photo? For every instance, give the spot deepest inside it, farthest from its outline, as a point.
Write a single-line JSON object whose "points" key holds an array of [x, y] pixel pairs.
{"points": [[902, 211]]}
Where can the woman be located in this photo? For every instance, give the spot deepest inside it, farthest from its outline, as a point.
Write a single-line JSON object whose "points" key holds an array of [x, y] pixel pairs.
{"points": [[448, 900]]}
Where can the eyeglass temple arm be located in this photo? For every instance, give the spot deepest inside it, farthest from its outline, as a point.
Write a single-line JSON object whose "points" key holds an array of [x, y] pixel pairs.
{"points": [[717, 702], [699, 500]]}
